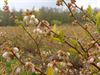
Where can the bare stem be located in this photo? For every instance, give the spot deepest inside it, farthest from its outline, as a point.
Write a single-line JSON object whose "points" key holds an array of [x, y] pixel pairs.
{"points": [[64, 40], [78, 21], [37, 69], [38, 49], [85, 14]]}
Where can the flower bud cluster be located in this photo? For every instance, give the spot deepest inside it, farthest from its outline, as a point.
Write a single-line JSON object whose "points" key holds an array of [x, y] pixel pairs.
{"points": [[8, 55], [30, 19], [30, 66], [42, 28]]}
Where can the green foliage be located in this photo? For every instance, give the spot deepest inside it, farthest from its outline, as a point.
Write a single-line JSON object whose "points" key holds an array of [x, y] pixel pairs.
{"points": [[34, 73], [6, 2], [8, 67], [93, 69], [73, 52], [74, 58], [54, 29], [5, 19], [74, 42], [56, 22], [89, 10], [52, 15], [1, 58], [60, 35], [98, 21]]}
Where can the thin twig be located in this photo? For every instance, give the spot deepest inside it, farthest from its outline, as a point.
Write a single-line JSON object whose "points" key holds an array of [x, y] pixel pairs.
{"points": [[64, 40], [37, 69], [93, 44], [83, 28], [38, 49], [78, 21], [85, 14], [95, 66], [81, 46]]}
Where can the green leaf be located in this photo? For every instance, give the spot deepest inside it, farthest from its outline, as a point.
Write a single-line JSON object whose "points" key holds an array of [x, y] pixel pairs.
{"points": [[73, 51], [89, 10], [98, 21], [74, 42], [54, 29], [59, 37]]}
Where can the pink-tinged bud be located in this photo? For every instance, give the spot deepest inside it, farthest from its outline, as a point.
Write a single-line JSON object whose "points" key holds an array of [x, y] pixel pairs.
{"points": [[30, 66], [33, 69], [97, 45], [18, 70], [91, 60]]}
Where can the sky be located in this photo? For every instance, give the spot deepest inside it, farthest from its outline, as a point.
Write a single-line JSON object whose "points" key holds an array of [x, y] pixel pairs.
{"points": [[28, 4]]}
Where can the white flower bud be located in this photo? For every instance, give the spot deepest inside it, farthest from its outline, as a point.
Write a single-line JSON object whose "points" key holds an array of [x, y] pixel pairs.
{"points": [[99, 57], [50, 65], [68, 53], [17, 54], [98, 64], [56, 69], [32, 17], [26, 18], [5, 55], [16, 50], [31, 22], [38, 31], [36, 21]]}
